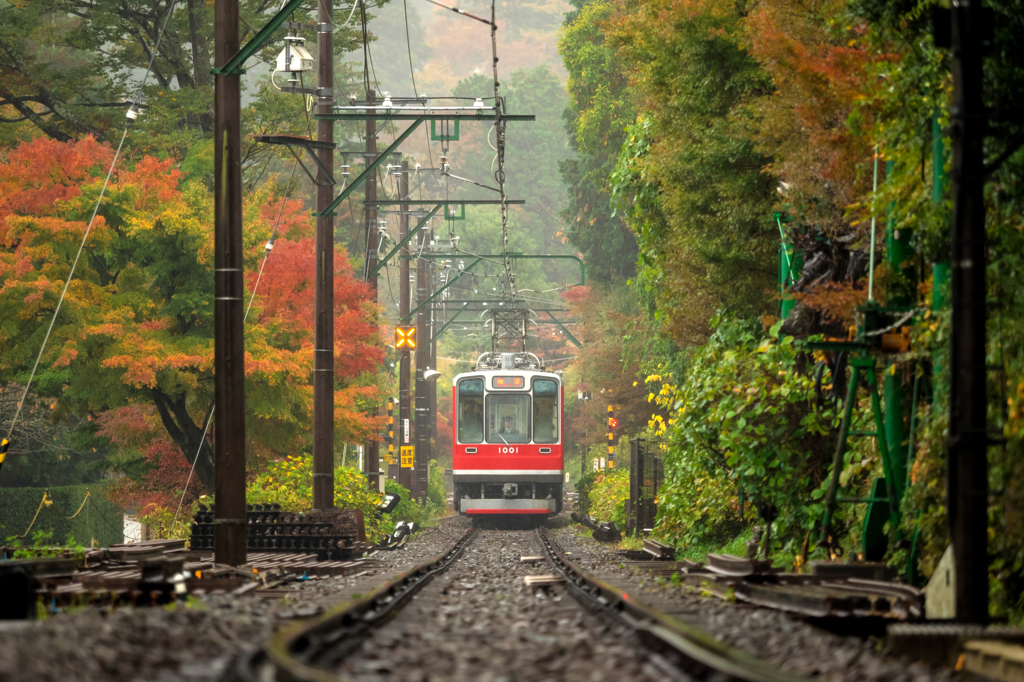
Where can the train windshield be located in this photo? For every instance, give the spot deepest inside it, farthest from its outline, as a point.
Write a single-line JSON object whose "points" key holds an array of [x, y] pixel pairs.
{"points": [[471, 411], [508, 418], [545, 411]]}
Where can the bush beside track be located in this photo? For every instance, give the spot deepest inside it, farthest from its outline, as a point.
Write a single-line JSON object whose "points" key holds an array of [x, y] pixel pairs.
{"points": [[98, 520]]}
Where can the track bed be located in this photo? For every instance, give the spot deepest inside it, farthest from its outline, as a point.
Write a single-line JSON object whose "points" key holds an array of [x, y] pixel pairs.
{"points": [[478, 620]]}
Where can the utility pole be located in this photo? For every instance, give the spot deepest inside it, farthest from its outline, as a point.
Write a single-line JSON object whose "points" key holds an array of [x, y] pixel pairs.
{"points": [[422, 360], [432, 385], [371, 462], [229, 340], [405, 475], [967, 464], [323, 353]]}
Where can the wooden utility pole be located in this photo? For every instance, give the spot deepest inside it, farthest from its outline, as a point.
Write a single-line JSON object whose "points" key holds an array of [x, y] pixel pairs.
{"points": [[405, 475], [323, 353], [228, 288], [967, 464]]}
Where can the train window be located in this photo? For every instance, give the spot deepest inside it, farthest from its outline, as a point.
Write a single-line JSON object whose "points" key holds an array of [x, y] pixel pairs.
{"points": [[545, 411], [471, 411], [508, 418]]}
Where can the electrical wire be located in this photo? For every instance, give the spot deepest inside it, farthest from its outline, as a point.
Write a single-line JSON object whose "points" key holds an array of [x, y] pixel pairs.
{"points": [[92, 220]]}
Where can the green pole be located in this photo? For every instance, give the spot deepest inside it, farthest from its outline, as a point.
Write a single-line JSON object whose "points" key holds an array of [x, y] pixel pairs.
{"points": [[940, 269], [790, 266], [897, 252]]}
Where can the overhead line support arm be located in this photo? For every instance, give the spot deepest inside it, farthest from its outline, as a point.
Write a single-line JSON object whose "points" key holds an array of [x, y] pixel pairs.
{"points": [[371, 167], [234, 65]]}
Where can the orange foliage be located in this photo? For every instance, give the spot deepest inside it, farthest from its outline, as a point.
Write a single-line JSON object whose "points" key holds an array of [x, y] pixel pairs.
{"points": [[816, 123], [38, 174]]}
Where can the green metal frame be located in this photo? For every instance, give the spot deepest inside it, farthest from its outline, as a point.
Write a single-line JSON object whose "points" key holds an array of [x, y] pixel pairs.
{"points": [[881, 508], [412, 233], [524, 256], [261, 38], [370, 168], [576, 342], [568, 333], [443, 138], [387, 115], [437, 205]]}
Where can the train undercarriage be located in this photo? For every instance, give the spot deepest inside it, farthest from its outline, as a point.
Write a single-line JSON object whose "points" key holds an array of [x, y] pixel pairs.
{"points": [[478, 497]]}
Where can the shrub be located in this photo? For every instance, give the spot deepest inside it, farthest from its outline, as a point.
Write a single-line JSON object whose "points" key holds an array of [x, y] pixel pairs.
{"points": [[289, 482], [743, 419], [608, 496], [97, 521]]}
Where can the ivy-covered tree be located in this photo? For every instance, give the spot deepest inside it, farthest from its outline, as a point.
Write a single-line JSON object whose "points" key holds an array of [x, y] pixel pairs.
{"points": [[707, 236], [600, 108]]}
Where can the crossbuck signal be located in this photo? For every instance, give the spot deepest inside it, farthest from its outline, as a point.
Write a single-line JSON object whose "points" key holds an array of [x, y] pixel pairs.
{"points": [[405, 338]]}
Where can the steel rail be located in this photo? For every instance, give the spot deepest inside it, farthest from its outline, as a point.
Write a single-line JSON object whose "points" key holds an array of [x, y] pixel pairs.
{"points": [[689, 649], [310, 652]]}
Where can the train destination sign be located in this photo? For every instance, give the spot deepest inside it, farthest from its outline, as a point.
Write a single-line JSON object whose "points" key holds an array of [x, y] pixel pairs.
{"points": [[508, 382]]}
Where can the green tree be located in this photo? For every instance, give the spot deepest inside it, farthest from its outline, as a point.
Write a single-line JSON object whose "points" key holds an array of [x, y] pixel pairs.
{"points": [[599, 109], [707, 237], [55, 76]]}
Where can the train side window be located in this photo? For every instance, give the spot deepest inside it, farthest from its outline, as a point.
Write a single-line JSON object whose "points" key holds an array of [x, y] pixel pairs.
{"points": [[545, 411], [471, 411], [508, 418]]}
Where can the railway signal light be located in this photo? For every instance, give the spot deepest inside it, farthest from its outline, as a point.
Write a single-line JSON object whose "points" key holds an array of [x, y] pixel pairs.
{"points": [[405, 338]]}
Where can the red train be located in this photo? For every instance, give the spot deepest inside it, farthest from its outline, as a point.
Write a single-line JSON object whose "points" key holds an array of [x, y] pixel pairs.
{"points": [[507, 437]]}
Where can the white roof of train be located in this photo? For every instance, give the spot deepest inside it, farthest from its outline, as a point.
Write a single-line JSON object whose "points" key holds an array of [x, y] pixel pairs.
{"points": [[526, 373]]}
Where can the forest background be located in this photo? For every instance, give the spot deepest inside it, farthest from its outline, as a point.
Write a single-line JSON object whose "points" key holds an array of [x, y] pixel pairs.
{"points": [[684, 148]]}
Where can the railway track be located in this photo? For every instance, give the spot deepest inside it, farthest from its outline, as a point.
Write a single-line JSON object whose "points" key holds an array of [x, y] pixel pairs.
{"points": [[470, 613]]}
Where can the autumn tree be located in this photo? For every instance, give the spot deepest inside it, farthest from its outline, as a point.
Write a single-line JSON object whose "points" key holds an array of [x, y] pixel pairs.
{"points": [[136, 327]]}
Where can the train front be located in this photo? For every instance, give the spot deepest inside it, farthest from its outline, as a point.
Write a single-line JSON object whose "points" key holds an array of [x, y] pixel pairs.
{"points": [[507, 436]]}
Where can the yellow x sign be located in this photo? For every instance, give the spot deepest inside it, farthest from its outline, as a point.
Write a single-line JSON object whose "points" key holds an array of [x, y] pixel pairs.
{"points": [[405, 338]]}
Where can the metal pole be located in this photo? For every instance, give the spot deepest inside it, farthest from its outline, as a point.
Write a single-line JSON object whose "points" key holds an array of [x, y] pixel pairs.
{"points": [[967, 467], [404, 405], [422, 360], [323, 354], [229, 341], [897, 252], [611, 436], [431, 387], [371, 463]]}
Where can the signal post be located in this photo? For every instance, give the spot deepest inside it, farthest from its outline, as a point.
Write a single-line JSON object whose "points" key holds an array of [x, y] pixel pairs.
{"points": [[404, 368], [612, 423], [405, 343]]}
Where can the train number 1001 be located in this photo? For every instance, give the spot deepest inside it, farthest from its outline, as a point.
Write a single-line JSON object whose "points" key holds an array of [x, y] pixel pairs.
{"points": [[508, 450]]}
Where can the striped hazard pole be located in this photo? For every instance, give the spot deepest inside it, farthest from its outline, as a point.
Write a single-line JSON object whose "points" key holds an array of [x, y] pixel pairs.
{"points": [[612, 423], [391, 431]]}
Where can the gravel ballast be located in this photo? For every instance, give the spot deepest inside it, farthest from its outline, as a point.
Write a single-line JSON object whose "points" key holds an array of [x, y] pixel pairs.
{"points": [[773, 636], [193, 640], [479, 621]]}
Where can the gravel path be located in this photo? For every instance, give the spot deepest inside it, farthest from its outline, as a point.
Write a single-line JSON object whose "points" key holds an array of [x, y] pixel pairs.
{"points": [[771, 635], [479, 621], [190, 641]]}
